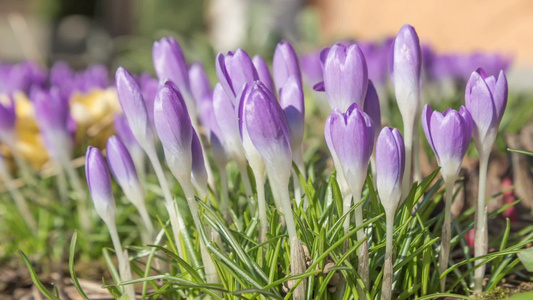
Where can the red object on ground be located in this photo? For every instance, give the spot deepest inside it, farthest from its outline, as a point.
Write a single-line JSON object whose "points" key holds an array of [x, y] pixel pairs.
{"points": [[508, 198]]}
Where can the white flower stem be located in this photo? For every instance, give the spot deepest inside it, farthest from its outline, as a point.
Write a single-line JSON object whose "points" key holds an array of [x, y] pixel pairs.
{"points": [[138, 201], [20, 201], [408, 143], [224, 196], [261, 204], [386, 288], [120, 257], [417, 174], [362, 252], [481, 237], [176, 221], [297, 256], [446, 231], [211, 273], [297, 188]]}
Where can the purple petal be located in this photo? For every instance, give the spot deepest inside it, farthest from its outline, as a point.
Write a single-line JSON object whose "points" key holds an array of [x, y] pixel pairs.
{"points": [[263, 72]]}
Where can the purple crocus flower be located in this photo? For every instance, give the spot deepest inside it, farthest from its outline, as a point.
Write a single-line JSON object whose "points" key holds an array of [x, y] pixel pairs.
{"points": [[292, 103], [148, 86], [100, 185], [486, 99], [170, 63], [227, 120], [21, 77], [174, 129], [372, 107], [8, 118], [200, 85], [53, 117], [345, 76], [406, 69], [377, 56], [263, 72], [350, 138], [122, 167], [268, 129], [311, 68], [449, 136], [199, 173], [234, 70], [285, 64], [207, 116], [390, 165], [134, 107]]}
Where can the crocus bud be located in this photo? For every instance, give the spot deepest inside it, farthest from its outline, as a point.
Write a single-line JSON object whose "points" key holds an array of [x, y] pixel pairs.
{"points": [[255, 159], [100, 186], [292, 103], [351, 136], [200, 86], [311, 68], [390, 165], [132, 102], [123, 168], [7, 118], [267, 127], [345, 76], [148, 86], [263, 72], [486, 99], [449, 136], [234, 70], [214, 134], [174, 129], [199, 173], [228, 122], [405, 71], [285, 64], [372, 108], [52, 115], [170, 63]]}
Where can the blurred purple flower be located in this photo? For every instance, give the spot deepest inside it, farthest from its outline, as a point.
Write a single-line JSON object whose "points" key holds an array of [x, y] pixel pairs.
{"points": [[8, 118], [285, 65], [263, 72]]}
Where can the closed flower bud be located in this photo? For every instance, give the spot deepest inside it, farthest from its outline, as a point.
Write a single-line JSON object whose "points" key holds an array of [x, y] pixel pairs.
{"points": [[227, 120], [449, 136], [133, 106], [200, 86], [292, 103], [486, 99], [174, 129], [345, 76], [285, 65], [123, 168], [372, 107], [234, 70], [263, 72], [100, 185], [390, 165], [405, 71], [350, 138], [170, 63], [268, 130]]}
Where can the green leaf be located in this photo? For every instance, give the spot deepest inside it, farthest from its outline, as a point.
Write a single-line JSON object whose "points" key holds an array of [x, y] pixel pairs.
{"points": [[526, 257], [522, 296], [35, 278], [71, 265]]}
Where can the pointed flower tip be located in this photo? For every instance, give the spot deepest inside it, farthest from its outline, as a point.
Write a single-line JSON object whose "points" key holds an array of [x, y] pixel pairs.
{"points": [[99, 183]]}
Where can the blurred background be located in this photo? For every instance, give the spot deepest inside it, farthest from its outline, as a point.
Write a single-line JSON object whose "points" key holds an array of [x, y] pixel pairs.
{"points": [[121, 32]]}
